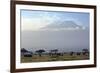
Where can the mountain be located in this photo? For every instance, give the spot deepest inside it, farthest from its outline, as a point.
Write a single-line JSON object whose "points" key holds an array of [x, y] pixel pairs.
{"points": [[63, 25]]}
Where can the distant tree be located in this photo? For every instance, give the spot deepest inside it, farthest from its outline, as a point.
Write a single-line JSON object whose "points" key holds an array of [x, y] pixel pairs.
{"points": [[40, 52], [26, 53], [23, 50], [78, 53], [85, 51], [71, 53], [59, 54], [55, 51]]}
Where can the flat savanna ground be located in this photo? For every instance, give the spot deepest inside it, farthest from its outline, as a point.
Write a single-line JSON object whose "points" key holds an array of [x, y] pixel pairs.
{"points": [[46, 58]]}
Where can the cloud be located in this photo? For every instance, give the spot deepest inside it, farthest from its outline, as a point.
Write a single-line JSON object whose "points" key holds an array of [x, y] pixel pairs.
{"points": [[33, 23]]}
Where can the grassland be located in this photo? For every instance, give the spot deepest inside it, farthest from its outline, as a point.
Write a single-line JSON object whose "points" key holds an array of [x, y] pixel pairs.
{"points": [[46, 58]]}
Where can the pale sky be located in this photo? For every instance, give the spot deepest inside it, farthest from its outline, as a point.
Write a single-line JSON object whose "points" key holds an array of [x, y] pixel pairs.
{"points": [[32, 36], [35, 19]]}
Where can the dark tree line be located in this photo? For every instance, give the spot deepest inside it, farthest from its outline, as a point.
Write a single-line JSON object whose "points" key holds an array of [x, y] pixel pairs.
{"points": [[39, 52], [54, 52]]}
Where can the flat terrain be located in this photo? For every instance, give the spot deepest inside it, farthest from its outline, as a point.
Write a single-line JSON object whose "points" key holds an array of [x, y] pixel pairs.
{"points": [[46, 58]]}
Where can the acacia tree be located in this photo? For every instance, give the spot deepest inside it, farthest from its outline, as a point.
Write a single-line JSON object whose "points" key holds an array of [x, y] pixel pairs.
{"points": [[71, 53], [85, 51], [24, 50], [40, 52], [53, 52]]}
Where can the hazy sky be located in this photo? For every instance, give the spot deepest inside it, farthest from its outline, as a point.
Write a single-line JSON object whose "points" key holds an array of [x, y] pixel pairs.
{"points": [[49, 29], [34, 20]]}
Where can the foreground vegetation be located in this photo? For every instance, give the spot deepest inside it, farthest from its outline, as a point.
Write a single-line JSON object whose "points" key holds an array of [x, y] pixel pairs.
{"points": [[44, 58]]}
